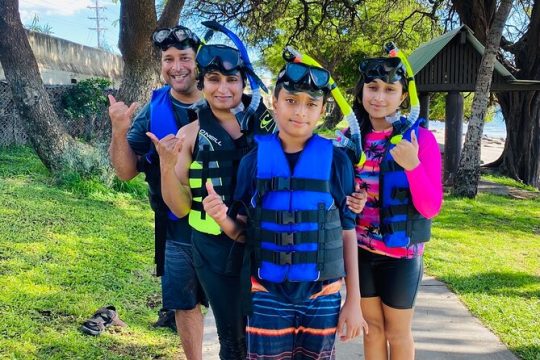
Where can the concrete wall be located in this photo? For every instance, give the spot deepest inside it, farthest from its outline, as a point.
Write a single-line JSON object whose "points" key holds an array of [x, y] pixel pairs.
{"points": [[61, 60]]}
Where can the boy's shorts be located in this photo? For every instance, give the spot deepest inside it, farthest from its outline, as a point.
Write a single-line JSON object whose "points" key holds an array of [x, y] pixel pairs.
{"points": [[179, 284], [280, 329]]}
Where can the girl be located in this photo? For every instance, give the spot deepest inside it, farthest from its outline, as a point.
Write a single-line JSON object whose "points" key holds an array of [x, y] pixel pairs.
{"points": [[402, 178]]}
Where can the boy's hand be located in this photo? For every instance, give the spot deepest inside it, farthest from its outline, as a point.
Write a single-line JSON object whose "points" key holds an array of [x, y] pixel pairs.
{"points": [[405, 153], [167, 148], [357, 200], [351, 321], [213, 205]]}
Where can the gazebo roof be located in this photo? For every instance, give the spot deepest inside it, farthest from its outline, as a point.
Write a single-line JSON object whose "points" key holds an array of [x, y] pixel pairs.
{"points": [[450, 63]]}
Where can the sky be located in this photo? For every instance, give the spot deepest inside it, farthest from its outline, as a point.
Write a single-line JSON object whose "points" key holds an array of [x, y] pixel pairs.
{"points": [[69, 19]]}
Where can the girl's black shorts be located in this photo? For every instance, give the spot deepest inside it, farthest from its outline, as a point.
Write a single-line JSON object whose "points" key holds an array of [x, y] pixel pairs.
{"points": [[395, 281]]}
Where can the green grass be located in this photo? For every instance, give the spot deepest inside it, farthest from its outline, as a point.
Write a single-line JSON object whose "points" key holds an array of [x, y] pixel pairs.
{"points": [[70, 247], [488, 252], [508, 182], [66, 251]]}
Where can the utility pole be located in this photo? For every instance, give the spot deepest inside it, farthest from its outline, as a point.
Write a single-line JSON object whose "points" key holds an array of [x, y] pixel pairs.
{"points": [[98, 28]]}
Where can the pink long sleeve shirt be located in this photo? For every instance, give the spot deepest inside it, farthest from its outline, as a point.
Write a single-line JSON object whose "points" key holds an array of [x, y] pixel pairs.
{"points": [[424, 182]]}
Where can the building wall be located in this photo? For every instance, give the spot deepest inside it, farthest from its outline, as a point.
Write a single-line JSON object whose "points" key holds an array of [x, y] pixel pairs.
{"points": [[63, 62]]}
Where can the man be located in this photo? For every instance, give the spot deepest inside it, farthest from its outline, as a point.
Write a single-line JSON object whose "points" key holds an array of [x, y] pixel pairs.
{"points": [[132, 152]]}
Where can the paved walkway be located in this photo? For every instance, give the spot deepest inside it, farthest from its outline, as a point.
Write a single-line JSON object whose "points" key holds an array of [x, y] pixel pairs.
{"points": [[443, 330]]}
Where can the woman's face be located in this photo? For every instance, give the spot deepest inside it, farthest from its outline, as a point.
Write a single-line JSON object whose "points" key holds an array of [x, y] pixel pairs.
{"points": [[381, 99], [223, 92]]}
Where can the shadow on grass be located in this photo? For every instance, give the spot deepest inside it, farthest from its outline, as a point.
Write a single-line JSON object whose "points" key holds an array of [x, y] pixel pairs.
{"points": [[496, 283]]}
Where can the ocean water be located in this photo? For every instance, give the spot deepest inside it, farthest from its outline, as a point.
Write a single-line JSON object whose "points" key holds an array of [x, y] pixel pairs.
{"points": [[495, 128]]}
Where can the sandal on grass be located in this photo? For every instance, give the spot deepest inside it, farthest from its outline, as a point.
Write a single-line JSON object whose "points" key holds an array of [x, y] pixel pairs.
{"points": [[102, 318]]}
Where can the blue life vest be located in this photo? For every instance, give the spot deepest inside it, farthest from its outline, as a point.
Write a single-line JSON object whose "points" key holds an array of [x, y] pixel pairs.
{"points": [[162, 123], [401, 224], [295, 228]]}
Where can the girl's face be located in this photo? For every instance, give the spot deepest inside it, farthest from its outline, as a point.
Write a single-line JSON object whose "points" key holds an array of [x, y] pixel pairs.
{"points": [[381, 99], [223, 92]]}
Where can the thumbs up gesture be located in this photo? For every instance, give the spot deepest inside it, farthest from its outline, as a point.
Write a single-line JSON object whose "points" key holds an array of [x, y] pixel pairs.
{"points": [[405, 153], [213, 204], [121, 114]]}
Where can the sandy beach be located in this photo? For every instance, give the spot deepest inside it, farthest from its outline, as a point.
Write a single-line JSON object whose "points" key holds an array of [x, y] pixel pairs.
{"points": [[491, 147]]}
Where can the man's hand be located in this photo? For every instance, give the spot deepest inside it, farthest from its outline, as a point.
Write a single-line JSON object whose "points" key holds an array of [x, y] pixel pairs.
{"points": [[357, 200], [405, 153], [213, 205], [167, 148], [121, 114], [351, 321]]}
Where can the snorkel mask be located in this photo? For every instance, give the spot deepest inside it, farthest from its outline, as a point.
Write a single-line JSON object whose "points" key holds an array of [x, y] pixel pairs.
{"points": [[223, 58], [386, 69], [302, 77], [179, 36]]}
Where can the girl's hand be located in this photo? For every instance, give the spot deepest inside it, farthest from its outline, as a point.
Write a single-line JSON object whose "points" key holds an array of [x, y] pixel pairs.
{"points": [[357, 200], [405, 153]]}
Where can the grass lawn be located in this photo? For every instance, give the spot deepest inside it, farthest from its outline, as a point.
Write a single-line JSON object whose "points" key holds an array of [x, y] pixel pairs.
{"points": [[62, 256], [487, 251], [67, 250]]}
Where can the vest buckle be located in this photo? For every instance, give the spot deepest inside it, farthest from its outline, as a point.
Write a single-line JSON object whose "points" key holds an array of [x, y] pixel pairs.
{"points": [[280, 183]]}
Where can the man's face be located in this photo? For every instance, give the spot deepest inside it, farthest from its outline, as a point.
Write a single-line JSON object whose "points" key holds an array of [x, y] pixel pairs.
{"points": [[178, 69]]}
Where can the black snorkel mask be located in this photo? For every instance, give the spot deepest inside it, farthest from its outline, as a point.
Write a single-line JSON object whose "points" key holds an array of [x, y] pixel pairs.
{"points": [[387, 69], [179, 36], [302, 77]]}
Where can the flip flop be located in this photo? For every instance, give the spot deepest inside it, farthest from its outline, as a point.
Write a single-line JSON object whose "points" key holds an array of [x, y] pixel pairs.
{"points": [[102, 318]]}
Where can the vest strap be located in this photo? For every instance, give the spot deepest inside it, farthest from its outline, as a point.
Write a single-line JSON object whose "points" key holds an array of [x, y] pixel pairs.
{"points": [[292, 184], [221, 172], [296, 217], [201, 192], [299, 257], [400, 193], [393, 210], [301, 237]]}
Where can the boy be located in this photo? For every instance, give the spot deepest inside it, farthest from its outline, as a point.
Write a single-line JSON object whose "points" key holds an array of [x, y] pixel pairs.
{"points": [[300, 233]]}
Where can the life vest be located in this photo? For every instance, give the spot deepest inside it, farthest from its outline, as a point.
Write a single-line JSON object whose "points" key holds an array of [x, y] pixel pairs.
{"points": [[401, 224], [216, 158], [295, 225], [162, 123]]}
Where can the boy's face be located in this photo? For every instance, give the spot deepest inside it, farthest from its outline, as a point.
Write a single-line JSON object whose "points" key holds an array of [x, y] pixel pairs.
{"points": [[297, 113]]}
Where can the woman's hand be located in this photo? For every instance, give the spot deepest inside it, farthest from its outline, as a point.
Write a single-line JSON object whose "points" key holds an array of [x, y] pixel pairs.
{"points": [[357, 200]]}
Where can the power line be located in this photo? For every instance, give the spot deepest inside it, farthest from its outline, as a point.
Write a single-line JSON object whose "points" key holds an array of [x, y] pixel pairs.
{"points": [[98, 28]]}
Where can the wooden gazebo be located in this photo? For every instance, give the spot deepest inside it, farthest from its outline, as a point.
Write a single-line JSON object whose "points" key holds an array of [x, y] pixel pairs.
{"points": [[450, 64]]}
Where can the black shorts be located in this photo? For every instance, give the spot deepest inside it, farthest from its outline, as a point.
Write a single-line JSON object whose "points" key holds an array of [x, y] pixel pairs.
{"points": [[395, 281]]}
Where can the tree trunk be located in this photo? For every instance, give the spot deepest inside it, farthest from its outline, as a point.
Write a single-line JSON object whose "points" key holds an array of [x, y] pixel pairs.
{"points": [[56, 149], [468, 174], [521, 111], [141, 58]]}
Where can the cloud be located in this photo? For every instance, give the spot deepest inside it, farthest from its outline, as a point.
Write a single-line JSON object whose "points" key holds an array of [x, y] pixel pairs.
{"points": [[28, 8]]}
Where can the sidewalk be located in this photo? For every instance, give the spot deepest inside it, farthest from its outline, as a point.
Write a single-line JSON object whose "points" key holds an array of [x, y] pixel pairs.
{"points": [[443, 330]]}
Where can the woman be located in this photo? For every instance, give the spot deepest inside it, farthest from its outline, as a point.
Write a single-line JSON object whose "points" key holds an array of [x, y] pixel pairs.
{"points": [[209, 149], [402, 178]]}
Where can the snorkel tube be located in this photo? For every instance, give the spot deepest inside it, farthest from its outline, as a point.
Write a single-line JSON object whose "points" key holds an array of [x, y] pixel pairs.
{"points": [[242, 115], [414, 113], [355, 144]]}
